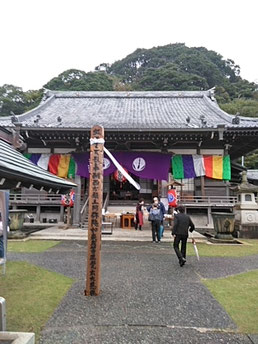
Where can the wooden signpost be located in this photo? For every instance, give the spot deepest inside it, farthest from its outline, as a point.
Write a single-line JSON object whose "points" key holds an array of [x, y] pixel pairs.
{"points": [[95, 211]]}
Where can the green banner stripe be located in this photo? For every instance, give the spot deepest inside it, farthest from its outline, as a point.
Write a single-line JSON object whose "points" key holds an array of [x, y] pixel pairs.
{"points": [[226, 168], [178, 167], [71, 169], [27, 155]]}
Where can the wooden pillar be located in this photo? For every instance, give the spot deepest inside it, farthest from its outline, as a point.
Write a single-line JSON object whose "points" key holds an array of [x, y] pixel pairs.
{"points": [[68, 213], [38, 208], [77, 201], [209, 216], [95, 211], [202, 186], [227, 188], [61, 213], [202, 178]]}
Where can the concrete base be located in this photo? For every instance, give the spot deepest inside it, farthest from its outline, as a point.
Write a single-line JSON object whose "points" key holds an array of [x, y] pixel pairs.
{"points": [[17, 338], [119, 234], [249, 231], [224, 241], [224, 236], [16, 235]]}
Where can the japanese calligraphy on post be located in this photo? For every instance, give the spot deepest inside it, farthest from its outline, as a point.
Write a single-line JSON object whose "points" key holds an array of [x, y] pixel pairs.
{"points": [[95, 211]]}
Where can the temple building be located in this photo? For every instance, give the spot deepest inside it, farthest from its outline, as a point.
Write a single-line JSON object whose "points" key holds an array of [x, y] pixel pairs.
{"points": [[156, 136]]}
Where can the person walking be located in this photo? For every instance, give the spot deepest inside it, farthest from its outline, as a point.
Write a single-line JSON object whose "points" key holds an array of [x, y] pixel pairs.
{"points": [[182, 223], [139, 215], [154, 217]]}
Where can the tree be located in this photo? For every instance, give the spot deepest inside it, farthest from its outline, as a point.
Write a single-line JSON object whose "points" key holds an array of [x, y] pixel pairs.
{"points": [[77, 80], [221, 95], [169, 78], [13, 99], [168, 67], [199, 61], [245, 107], [251, 160]]}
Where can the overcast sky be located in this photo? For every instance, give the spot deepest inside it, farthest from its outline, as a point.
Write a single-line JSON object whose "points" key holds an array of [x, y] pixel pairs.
{"points": [[41, 39]]}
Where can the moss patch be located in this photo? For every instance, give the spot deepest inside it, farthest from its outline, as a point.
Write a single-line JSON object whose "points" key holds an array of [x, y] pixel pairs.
{"points": [[32, 294], [237, 250], [238, 295], [31, 246]]}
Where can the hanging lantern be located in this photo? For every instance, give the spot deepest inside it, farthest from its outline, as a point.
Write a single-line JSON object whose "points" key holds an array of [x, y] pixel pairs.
{"points": [[172, 198], [120, 177]]}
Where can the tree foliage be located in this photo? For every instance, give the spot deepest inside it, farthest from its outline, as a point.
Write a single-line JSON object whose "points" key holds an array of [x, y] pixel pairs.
{"points": [[169, 78], [251, 160], [13, 99], [198, 61], [169, 67], [248, 108], [177, 67], [77, 80]]}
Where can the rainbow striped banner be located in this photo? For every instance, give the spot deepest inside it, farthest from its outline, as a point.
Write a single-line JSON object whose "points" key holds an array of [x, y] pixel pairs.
{"points": [[183, 166], [191, 166], [62, 165]]}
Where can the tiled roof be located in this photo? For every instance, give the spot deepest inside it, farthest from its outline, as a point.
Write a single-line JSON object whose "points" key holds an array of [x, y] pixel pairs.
{"points": [[129, 110], [252, 174]]}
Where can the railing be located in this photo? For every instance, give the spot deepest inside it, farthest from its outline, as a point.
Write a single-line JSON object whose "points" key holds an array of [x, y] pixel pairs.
{"points": [[106, 202], [221, 200], [45, 198], [35, 198], [84, 211]]}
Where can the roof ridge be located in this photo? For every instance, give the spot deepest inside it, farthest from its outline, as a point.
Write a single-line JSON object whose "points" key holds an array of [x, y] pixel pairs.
{"points": [[212, 104], [128, 94], [30, 113], [226, 116]]}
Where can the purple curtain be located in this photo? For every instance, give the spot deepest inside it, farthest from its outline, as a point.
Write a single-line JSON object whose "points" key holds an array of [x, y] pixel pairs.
{"points": [[144, 165]]}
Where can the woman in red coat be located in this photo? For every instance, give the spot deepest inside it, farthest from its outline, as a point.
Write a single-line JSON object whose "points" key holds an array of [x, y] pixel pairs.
{"points": [[139, 215]]}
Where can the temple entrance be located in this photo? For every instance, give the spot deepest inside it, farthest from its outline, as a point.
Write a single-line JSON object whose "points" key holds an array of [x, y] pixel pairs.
{"points": [[123, 190]]}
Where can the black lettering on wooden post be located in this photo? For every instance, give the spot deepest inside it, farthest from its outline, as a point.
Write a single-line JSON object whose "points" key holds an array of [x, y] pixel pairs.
{"points": [[95, 211]]}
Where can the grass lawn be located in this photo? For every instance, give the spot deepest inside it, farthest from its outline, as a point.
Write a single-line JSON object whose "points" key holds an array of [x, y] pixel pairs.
{"points": [[225, 250], [238, 295], [31, 246], [31, 294]]}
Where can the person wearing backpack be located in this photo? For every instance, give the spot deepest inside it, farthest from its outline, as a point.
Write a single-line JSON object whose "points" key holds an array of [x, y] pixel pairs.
{"points": [[162, 208], [154, 217]]}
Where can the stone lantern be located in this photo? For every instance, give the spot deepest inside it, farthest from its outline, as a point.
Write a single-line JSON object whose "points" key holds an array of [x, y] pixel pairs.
{"points": [[246, 209]]}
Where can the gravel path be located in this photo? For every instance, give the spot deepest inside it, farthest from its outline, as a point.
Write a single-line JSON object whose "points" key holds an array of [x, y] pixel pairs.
{"points": [[146, 297]]}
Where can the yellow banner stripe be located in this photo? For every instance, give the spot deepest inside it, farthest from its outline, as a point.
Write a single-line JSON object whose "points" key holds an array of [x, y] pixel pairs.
{"points": [[63, 166], [217, 172]]}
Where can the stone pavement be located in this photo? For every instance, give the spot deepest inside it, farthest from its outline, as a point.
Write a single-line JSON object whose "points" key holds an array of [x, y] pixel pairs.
{"points": [[146, 297], [119, 234]]}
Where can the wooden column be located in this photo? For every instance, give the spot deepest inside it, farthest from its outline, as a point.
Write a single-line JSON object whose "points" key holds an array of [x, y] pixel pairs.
{"points": [[61, 213], [202, 178], [38, 209], [77, 201], [95, 211], [202, 186]]}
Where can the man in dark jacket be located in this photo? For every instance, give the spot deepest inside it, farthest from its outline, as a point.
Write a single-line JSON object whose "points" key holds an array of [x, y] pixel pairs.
{"points": [[182, 223]]}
